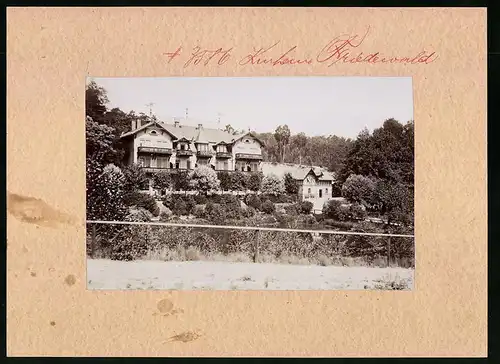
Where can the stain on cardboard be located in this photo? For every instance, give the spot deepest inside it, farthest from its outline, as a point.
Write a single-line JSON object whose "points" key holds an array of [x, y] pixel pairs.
{"points": [[33, 210], [185, 336], [52, 323], [164, 306], [33, 274], [70, 280]]}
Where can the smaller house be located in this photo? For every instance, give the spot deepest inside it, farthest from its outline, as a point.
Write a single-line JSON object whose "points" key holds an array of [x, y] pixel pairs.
{"points": [[315, 183]]}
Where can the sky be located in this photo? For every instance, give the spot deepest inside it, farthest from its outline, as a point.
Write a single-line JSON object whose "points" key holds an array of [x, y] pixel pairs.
{"points": [[340, 106]]}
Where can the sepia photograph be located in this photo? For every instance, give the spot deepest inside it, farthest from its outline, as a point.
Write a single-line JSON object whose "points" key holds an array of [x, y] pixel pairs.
{"points": [[259, 183]]}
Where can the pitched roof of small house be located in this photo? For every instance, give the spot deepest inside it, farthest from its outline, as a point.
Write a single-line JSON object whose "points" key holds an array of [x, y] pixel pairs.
{"points": [[241, 136], [298, 172]]}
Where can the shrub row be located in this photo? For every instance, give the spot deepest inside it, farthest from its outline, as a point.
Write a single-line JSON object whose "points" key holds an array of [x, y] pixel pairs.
{"points": [[134, 242]]}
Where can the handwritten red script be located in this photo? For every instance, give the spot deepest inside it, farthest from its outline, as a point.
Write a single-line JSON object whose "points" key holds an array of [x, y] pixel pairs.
{"points": [[342, 49]]}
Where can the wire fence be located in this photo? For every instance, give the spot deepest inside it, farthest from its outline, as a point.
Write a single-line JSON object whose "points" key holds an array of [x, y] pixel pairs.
{"points": [[130, 240]]}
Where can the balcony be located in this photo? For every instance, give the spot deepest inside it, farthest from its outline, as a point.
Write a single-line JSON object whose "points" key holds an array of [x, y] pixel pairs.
{"points": [[184, 153], [204, 153], [154, 150], [246, 156], [223, 155]]}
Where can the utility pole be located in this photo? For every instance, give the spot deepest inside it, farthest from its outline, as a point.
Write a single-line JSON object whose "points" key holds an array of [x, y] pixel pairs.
{"points": [[186, 113]]}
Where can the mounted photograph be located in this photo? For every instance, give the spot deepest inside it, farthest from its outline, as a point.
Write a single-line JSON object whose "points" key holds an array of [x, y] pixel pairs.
{"points": [[261, 183]]}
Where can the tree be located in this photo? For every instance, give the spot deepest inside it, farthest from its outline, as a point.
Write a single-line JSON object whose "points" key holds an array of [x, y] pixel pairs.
{"points": [[99, 141], [162, 180], [395, 201], [273, 185], [180, 180], [255, 181], [96, 99], [386, 154], [204, 179], [333, 209], [268, 207], [105, 201], [358, 189], [229, 129], [291, 185], [282, 136], [135, 178], [238, 181], [225, 180]]}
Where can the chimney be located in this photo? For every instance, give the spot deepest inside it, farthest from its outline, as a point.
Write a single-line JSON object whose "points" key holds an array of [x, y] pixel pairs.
{"points": [[176, 123], [200, 126], [135, 124]]}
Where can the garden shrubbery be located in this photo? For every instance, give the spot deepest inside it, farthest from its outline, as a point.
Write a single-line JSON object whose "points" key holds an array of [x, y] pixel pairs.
{"points": [[180, 204], [142, 200], [268, 207], [253, 200]]}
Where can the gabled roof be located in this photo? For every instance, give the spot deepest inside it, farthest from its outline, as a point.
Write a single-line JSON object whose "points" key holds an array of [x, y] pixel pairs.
{"points": [[241, 136], [298, 172], [192, 133], [155, 123], [189, 132]]}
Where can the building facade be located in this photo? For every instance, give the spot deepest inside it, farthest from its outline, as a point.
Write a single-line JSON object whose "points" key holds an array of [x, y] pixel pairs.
{"points": [[158, 146], [315, 183]]}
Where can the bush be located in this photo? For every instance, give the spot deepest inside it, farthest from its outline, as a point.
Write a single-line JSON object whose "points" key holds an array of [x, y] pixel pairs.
{"points": [[142, 200], [273, 185], [204, 179], [357, 212], [180, 180], [200, 199], [215, 213], [180, 204], [307, 220], [199, 211], [254, 181], [305, 207], [268, 207], [333, 209], [231, 205], [225, 180], [338, 224], [238, 181], [358, 189], [278, 198], [248, 212], [180, 208], [291, 185], [253, 201], [291, 209], [190, 203], [166, 214], [135, 178]]}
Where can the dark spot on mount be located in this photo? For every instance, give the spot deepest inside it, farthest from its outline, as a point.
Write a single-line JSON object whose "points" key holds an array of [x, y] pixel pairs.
{"points": [[36, 211], [33, 274], [52, 323], [164, 306], [70, 280], [185, 336]]}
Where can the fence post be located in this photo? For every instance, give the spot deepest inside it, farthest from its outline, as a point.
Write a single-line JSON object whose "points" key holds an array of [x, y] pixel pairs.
{"points": [[389, 252], [256, 246], [92, 241]]}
